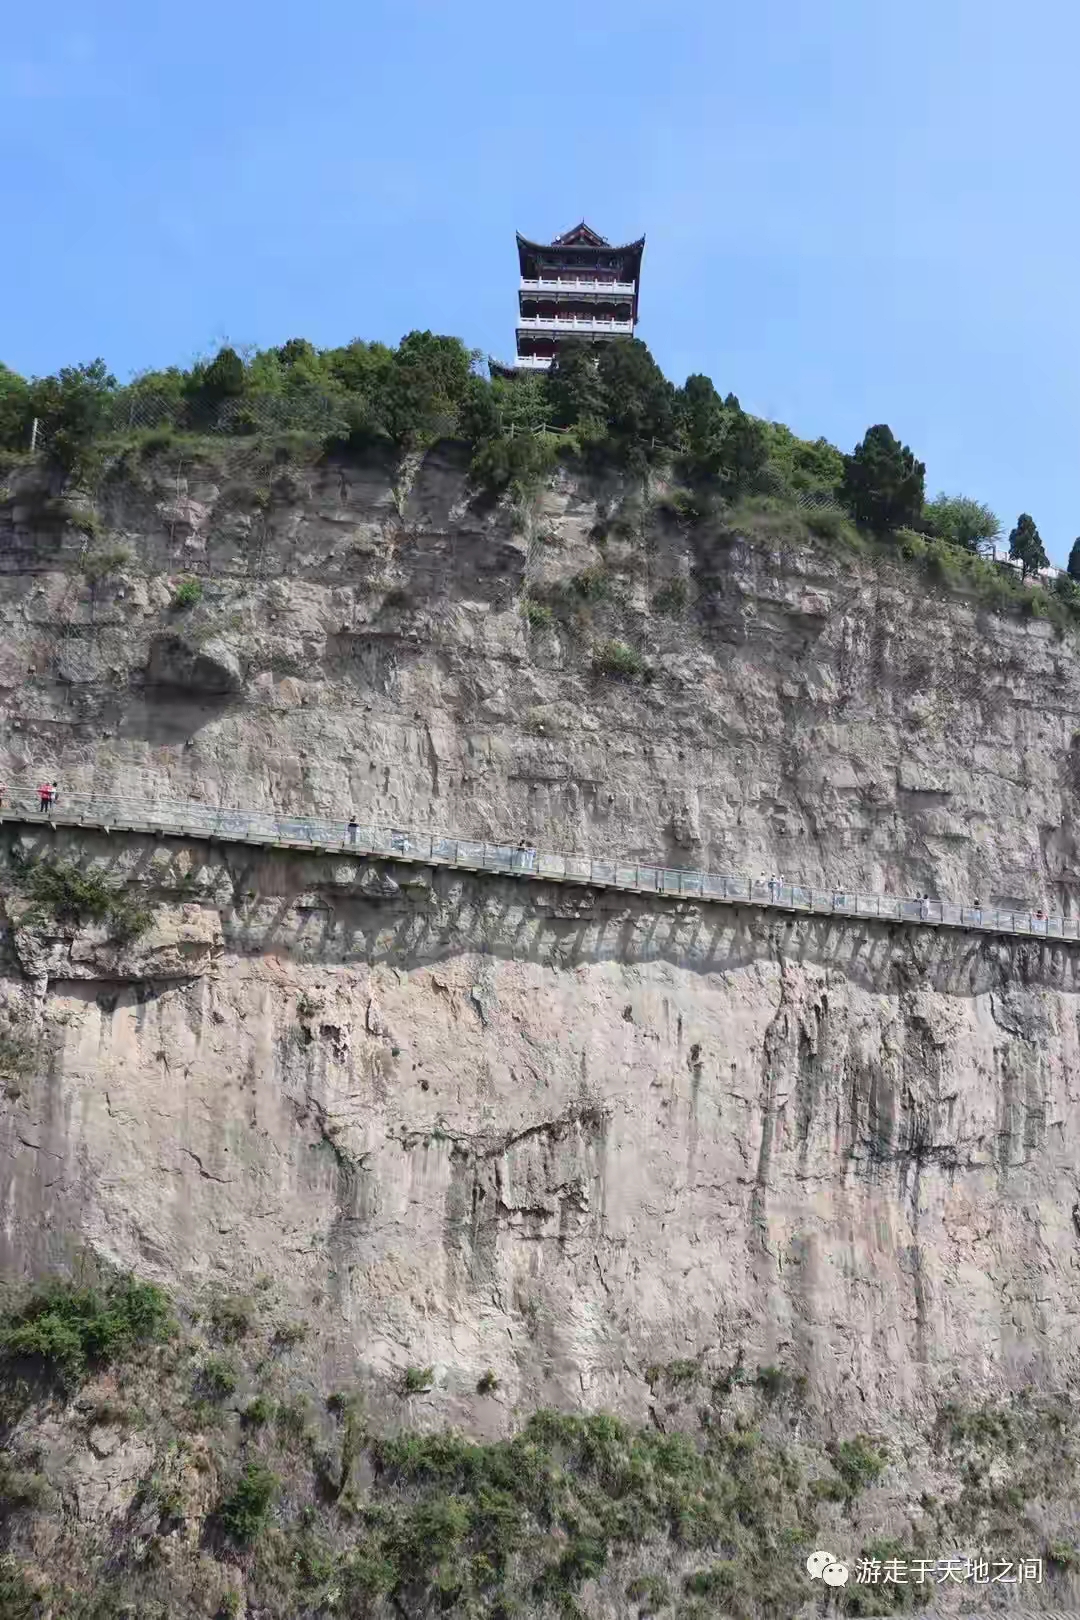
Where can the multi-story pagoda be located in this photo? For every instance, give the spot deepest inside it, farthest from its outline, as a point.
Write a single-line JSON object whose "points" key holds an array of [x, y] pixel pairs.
{"points": [[577, 286]]}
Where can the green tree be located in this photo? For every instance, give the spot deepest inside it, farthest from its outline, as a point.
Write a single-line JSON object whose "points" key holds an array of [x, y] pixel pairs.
{"points": [[720, 439], [638, 397], [359, 367], [16, 414], [72, 409], [223, 378], [575, 392], [699, 414], [296, 351], [745, 449], [883, 484], [1026, 547], [478, 411], [420, 393], [1072, 567], [522, 401], [153, 398], [803, 465], [962, 521]]}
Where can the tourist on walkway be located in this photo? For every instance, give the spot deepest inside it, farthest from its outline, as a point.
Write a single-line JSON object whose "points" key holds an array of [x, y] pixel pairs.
{"points": [[54, 794], [45, 794], [354, 828]]}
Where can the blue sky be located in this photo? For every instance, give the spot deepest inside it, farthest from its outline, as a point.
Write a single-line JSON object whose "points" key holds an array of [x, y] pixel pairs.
{"points": [[855, 212]]}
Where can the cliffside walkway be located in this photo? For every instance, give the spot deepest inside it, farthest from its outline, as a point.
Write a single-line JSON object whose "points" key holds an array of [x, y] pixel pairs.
{"points": [[182, 819]]}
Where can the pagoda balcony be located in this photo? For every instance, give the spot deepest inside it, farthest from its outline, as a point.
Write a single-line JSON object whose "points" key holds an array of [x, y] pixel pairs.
{"points": [[533, 362], [568, 284], [554, 325]]}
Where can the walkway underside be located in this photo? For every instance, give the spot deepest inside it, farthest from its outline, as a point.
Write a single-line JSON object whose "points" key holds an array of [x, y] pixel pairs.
{"points": [[258, 828]]}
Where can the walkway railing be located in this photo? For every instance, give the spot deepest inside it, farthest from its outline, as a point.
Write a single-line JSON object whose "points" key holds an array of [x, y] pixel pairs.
{"points": [[183, 818]]}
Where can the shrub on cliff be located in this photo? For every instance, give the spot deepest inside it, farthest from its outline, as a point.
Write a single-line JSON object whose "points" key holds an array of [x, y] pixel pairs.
{"points": [[75, 897], [513, 466], [618, 659], [187, 593], [66, 1330], [244, 1513]]}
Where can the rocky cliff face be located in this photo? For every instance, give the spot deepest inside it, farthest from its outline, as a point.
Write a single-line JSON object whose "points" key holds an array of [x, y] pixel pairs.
{"points": [[359, 642], [563, 1139]]}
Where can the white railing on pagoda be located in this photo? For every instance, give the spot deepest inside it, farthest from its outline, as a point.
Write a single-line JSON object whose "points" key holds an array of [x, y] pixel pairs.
{"points": [[623, 289], [571, 323], [533, 362]]}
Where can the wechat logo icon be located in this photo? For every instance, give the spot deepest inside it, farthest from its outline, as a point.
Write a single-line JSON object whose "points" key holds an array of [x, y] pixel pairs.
{"points": [[824, 1567]]}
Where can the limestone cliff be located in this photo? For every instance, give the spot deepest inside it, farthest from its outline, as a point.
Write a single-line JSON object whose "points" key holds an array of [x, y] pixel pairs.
{"points": [[548, 1143]]}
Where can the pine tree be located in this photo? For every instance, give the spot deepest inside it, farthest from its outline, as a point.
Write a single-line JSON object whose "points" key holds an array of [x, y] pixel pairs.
{"points": [[720, 439], [1072, 567], [1026, 547], [883, 483]]}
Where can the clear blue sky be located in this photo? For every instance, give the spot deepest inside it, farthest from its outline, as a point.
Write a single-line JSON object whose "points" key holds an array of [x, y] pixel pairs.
{"points": [[856, 212]]}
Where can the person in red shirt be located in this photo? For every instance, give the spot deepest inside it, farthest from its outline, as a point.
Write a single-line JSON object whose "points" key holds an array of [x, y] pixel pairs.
{"points": [[45, 794]]}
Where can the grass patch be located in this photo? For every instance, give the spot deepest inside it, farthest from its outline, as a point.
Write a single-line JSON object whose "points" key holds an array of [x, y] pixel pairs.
{"points": [[833, 526], [18, 1053], [23, 1488], [618, 659], [232, 1317], [258, 1412], [187, 594], [291, 1421], [515, 1524], [417, 1380], [536, 614], [591, 585], [98, 565], [671, 598], [776, 1384], [859, 1463], [289, 1334], [218, 1377]]}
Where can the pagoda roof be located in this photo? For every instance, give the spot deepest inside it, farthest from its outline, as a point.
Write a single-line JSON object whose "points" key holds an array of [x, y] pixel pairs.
{"points": [[582, 236], [586, 241]]}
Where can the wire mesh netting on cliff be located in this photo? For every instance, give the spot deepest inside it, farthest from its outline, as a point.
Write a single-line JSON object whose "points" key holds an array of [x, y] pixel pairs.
{"points": [[303, 412]]}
